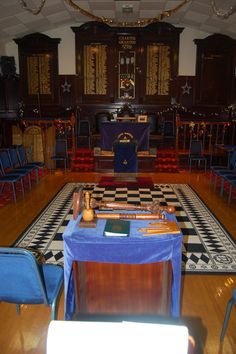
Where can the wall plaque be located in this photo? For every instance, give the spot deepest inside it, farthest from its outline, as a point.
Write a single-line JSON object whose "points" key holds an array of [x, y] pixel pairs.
{"points": [[158, 70], [95, 69], [38, 62], [39, 74]]}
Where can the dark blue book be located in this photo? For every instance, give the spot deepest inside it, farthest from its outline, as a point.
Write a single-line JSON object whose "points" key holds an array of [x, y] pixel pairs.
{"points": [[117, 228]]}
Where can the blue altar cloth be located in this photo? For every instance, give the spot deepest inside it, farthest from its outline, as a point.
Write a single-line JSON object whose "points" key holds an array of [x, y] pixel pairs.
{"points": [[88, 244], [111, 131]]}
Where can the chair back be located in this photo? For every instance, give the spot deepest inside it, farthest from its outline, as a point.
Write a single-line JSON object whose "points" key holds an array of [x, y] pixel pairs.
{"points": [[169, 129], [21, 280], [61, 148], [22, 155], [232, 160], [14, 157], [195, 148], [101, 117], [5, 162], [84, 128], [152, 119]]}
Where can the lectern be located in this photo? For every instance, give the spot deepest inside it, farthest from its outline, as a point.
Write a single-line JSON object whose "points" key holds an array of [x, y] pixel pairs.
{"points": [[125, 156]]}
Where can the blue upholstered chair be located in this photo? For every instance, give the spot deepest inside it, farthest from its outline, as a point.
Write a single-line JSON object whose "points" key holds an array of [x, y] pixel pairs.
{"points": [[196, 154], [229, 177], [232, 185], [9, 175], [61, 152], [24, 161], [224, 171], [231, 302], [24, 281], [16, 166]]}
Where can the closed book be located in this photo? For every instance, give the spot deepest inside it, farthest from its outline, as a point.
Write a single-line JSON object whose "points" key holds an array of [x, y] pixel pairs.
{"points": [[117, 228]]}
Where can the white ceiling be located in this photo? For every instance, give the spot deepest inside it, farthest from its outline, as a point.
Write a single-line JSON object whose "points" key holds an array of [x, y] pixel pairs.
{"points": [[16, 22]]}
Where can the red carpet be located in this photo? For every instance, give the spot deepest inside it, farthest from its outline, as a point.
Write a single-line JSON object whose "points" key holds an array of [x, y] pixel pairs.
{"points": [[110, 181]]}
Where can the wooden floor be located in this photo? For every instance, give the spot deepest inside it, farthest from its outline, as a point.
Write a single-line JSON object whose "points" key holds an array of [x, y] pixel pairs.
{"points": [[204, 297]]}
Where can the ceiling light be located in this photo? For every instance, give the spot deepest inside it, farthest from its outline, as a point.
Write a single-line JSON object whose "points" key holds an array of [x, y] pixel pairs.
{"points": [[223, 13], [34, 11]]}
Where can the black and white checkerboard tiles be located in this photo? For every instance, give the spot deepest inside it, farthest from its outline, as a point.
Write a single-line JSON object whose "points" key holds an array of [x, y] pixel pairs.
{"points": [[207, 247]]}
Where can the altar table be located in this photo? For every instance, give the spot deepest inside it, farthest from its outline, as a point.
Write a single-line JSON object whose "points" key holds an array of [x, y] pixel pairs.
{"points": [[89, 244], [111, 131]]}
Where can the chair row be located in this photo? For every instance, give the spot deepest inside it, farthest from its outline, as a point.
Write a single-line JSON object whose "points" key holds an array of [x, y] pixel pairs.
{"points": [[14, 168], [227, 174]]}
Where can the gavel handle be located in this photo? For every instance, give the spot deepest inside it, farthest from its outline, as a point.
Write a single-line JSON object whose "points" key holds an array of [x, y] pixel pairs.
{"points": [[131, 216], [125, 206], [121, 206]]}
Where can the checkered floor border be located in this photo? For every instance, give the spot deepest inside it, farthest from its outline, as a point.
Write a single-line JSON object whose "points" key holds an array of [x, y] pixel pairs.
{"points": [[207, 247]]}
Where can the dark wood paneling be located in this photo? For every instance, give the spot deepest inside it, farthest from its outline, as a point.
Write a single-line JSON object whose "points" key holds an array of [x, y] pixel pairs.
{"points": [[9, 97], [38, 62], [143, 42], [215, 70]]}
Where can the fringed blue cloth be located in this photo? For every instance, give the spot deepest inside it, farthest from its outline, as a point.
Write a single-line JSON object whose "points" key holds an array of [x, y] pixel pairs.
{"points": [[87, 244]]}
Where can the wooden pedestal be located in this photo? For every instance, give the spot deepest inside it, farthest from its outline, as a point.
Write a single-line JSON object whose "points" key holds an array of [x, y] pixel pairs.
{"points": [[122, 288], [105, 163]]}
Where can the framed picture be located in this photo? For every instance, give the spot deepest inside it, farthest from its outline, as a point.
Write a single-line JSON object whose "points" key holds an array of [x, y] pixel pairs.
{"points": [[142, 119], [96, 151]]}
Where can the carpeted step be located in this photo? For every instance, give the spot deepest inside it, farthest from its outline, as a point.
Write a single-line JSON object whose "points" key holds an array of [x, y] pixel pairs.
{"points": [[82, 167], [166, 161], [114, 182], [167, 168], [83, 160]]}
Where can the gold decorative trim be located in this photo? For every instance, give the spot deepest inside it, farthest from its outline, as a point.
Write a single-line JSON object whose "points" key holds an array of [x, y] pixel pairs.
{"points": [[138, 23]]}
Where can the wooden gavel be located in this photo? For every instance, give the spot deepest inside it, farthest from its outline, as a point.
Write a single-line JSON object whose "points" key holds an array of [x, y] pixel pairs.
{"points": [[88, 204], [154, 207]]}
